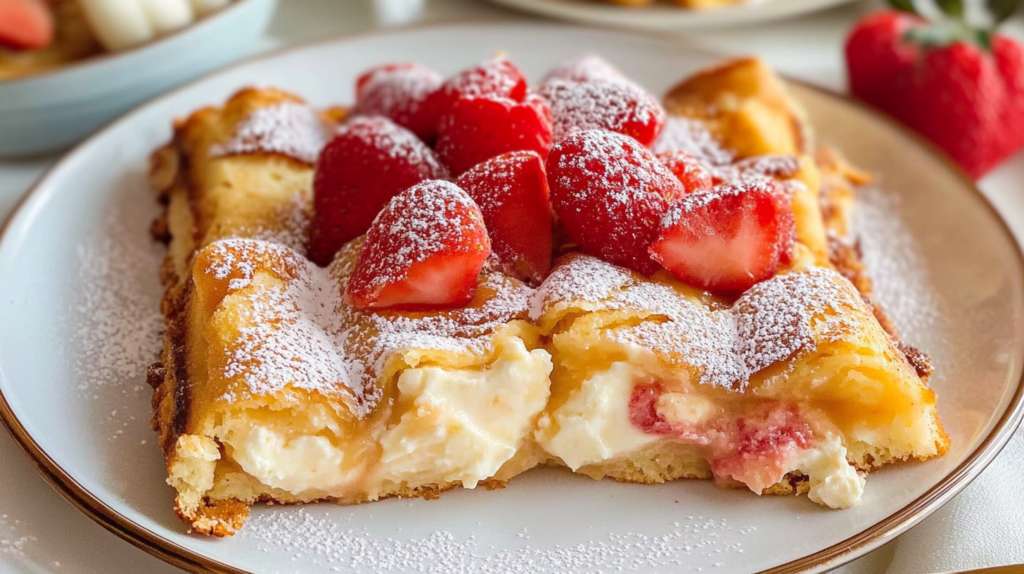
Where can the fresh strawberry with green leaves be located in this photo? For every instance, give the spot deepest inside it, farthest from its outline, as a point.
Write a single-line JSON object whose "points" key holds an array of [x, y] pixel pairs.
{"points": [[728, 238], [692, 173], [477, 128], [959, 85], [512, 192], [25, 24], [610, 194], [368, 162], [399, 92], [424, 251]]}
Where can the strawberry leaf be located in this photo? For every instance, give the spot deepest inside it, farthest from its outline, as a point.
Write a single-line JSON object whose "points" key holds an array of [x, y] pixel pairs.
{"points": [[951, 8], [903, 5], [1002, 9]]}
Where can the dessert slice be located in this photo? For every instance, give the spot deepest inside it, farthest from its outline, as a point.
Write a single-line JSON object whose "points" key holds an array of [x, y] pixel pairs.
{"points": [[289, 395], [271, 387], [794, 387]]}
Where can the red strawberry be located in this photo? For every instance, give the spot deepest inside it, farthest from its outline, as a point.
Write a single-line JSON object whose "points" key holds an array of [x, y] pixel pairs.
{"points": [[586, 68], [726, 239], [512, 192], [966, 98], [496, 77], [481, 127], [691, 171], [399, 92], [369, 160], [610, 194], [25, 24], [614, 105], [424, 251]]}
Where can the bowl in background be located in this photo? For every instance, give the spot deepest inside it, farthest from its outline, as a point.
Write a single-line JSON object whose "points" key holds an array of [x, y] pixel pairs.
{"points": [[49, 111]]}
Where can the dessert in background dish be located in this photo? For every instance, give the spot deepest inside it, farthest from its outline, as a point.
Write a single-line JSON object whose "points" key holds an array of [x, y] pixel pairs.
{"points": [[40, 35], [456, 280]]}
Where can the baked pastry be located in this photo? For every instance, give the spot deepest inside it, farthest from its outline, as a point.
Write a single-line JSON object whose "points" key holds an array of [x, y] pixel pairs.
{"points": [[352, 315]]}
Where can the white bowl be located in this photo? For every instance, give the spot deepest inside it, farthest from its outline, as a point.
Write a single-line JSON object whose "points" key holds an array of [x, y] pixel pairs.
{"points": [[49, 111]]}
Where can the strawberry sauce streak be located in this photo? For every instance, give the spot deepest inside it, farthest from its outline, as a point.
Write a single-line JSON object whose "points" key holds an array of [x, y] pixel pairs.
{"points": [[753, 448]]}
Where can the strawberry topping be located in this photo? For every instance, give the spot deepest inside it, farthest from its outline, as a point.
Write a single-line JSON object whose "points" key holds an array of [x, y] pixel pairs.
{"points": [[616, 105], [495, 77], [726, 239], [586, 68], [25, 24], [478, 128], [512, 192], [691, 171], [399, 92], [610, 194], [424, 251], [369, 160]]}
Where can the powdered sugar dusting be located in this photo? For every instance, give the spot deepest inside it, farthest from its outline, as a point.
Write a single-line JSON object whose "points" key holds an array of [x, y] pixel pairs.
{"points": [[381, 135], [117, 318], [304, 336], [777, 318], [314, 537], [395, 91], [418, 223], [774, 320], [586, 68], [598, 104], [287, 128], [693, 137]]}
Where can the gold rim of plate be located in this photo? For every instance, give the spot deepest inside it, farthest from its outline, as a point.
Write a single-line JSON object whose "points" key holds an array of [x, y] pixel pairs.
{"points": [[876, 535]]}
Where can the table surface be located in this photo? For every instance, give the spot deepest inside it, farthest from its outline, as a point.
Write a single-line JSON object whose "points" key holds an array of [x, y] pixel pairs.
{"points": [[40, 532]]}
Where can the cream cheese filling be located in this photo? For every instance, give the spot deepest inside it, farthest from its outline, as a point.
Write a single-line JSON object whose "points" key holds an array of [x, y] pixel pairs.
{"points": [[833, 480], [593, 424], [296, 465], [463, 424]]}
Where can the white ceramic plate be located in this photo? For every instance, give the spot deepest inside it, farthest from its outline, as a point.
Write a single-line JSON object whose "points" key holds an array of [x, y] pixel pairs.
{"points": [[666, 16], [78, 324]]}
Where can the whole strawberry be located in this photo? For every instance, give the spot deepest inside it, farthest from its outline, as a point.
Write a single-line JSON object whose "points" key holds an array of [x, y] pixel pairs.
{"points": [[961, 87]]}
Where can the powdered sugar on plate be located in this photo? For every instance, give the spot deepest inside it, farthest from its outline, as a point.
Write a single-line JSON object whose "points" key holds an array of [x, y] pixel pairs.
{"points": [[118, 323], [287, 128], [310, 536]]}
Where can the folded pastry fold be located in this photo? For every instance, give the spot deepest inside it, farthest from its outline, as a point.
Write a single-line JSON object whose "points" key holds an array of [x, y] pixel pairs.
{"points": [[792, 387]]}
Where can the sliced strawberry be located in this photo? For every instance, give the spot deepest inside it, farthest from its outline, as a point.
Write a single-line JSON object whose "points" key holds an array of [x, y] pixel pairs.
{"points": [[369, 160], [25, 24], [610, 194], [692, 172], [496, 77], [618, 106], [399, 92], [512, 192], [727, 239], [481, 127], [424, 251], [586, 68]]}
